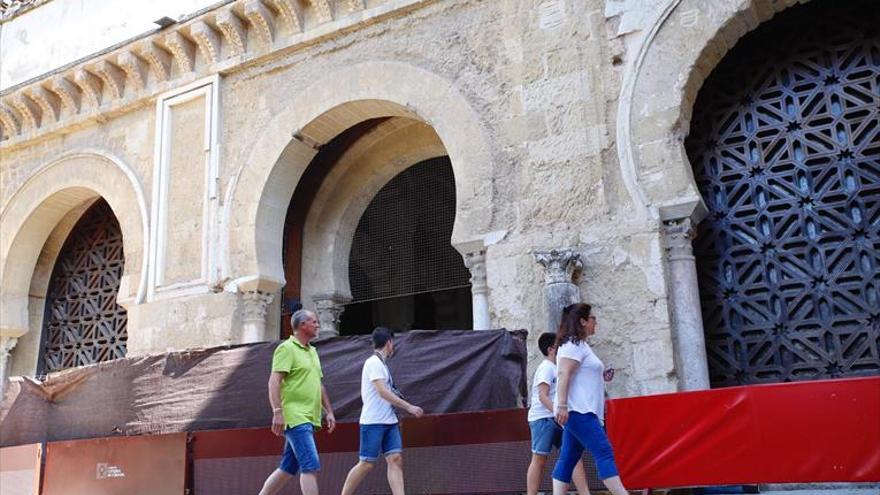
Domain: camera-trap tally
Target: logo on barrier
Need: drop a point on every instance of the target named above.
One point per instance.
(107, 471)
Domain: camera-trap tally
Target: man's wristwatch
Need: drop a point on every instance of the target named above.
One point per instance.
(277, 409)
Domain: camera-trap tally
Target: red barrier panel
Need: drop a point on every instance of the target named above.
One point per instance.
(117, 466)
(475, 452)
(20, 469)
(807, 432)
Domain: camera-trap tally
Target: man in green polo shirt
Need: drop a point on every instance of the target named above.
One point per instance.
(296, 395)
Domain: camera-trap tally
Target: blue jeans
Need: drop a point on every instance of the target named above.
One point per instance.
(584, 430)
(300, 453)
(546, 434)
(376, 439)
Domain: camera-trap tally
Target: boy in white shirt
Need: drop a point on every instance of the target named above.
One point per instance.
(379, 429)
(546, 433)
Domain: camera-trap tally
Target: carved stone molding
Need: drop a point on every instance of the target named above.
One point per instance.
(559, 265)
(679, 235)
(256, 304)
(329, 308)
(476, 264)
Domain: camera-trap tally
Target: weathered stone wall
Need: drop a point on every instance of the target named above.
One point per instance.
(525, 95)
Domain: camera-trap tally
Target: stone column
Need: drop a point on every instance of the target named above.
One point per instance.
(559, 289)
(329, 308)
(256, 303)
(6, 346)
(475, 261)
(684, 297)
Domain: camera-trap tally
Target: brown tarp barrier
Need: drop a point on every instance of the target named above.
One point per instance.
(442, 371)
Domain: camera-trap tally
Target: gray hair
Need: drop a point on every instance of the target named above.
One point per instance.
(297, 318)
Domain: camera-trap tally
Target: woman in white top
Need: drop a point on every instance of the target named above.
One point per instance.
(580, 402)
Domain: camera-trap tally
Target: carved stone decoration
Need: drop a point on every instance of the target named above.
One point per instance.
(329, 308)
(207, 39)
(135, 69)
(49, 103)
(27, 109)
(90, 85)
(291, 13)
(158, 58)
(679, 235)
(184, 51)
(233, 31)
(260, 17)
(560, 266)
(112, 77)
(68, 93)
(10, 123)
(256, 305)
(475, 261)
(324, 10)
(6, 346)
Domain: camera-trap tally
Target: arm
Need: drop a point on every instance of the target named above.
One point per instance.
(544, 396)
(328, 409)
(394, 400)
(275, 379)
(564, 369)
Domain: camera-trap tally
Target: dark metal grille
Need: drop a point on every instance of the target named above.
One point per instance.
(84, 324)
(401, 245)
(785, 144)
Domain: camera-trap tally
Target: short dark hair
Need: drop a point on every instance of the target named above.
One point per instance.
(546, 341)
(381, 336)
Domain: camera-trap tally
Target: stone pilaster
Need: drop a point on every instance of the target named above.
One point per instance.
(475, 261)
(256, 304)
(560, 266)
(6, 346)
(684, 297)
(329, 308)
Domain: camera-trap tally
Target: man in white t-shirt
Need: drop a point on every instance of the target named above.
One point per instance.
(546, 434)
(379, 429)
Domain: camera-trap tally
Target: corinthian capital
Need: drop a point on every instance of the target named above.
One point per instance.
(559, 265)
(256, 303)
(678, 235)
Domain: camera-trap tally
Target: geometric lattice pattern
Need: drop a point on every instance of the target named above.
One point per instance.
(401, 244)
(785, 144)
(84, 324)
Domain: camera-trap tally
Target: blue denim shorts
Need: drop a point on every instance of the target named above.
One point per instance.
(300, 453)
(376, 439)
(546, 434)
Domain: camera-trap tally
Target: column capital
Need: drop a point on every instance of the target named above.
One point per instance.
(559, 265)
(475, 261)
(329, 308)
(6, 346)
(256, 304)
(678, 236)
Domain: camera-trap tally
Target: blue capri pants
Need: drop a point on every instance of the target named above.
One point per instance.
(584, 430)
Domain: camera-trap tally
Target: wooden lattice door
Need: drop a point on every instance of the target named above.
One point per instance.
(785, 144)
(83, 323)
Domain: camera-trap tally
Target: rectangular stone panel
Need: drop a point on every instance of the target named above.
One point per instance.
(187, 159)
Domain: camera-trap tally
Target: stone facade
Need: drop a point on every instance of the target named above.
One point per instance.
(563, 121)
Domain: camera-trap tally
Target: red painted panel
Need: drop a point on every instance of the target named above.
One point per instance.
(20, 469)
(117, 466)
(819, 431)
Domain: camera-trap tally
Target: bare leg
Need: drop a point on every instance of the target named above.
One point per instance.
(308, 483)
(560, 487)
(579, 478)
(355, 476)
(395, 473)
(615, 486)
(275, 482)
(533, 475)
